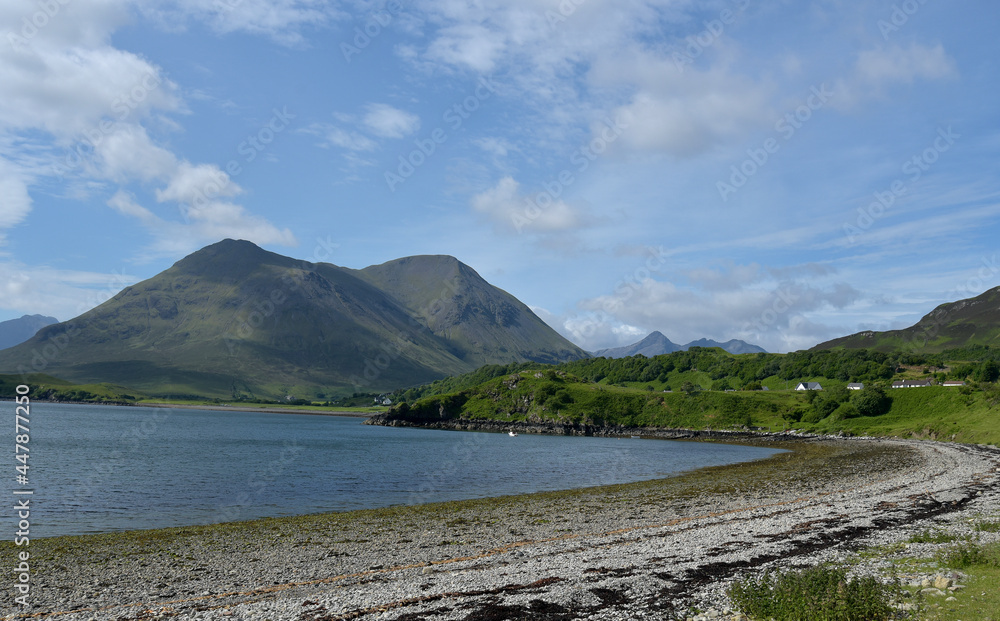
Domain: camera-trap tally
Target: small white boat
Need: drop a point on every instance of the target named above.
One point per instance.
(512, 433)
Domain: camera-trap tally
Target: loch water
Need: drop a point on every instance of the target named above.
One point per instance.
(97, 469)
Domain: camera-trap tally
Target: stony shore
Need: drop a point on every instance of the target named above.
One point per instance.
(649, 550)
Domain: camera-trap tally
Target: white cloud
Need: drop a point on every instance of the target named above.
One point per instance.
(472, 46)
(333, 136)
(66, 80)
(15, 203)
(749, 302)
(129, 153)
(190, 184)
(513, 212)
(280, 20)
(877, 70)
(388, 122)
(72, 97)
(63, 294)
(498, 147)
(206, 221)
(683, 113)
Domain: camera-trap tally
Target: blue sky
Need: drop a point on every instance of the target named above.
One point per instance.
(776, 171)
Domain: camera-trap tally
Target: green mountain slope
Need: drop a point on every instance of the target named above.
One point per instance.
(973, 321)
(235, 320)
(483, 324)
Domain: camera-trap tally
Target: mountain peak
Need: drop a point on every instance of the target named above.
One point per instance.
(655, 344)
(234, 320)
(230, 259)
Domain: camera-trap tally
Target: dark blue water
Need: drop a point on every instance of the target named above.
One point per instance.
(98, 469)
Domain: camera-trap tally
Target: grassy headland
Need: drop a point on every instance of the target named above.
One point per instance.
(707, 388)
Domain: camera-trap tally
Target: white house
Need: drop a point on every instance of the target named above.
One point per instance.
(953, 383)
(855, 386)
(808, 386)
(911, 383)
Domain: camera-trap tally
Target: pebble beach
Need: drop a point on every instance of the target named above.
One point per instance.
(664, 549)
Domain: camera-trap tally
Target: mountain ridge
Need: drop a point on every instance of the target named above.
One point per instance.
(970, 321)
(233, 320)
(655, 344)
(16, 331)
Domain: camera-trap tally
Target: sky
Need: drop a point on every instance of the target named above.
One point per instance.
(782, 172)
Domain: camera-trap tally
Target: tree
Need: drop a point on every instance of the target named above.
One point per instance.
(871, 401)
(987, 372)
(689, 389)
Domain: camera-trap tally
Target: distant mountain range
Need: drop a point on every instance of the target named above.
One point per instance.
(972, 321)
(16, 331)
(656, 344)
(235, 320)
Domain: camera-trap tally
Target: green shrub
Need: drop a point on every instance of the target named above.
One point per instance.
(813, 416)
(987, 527)
(817, 593)
(871, 401)
(970, 554)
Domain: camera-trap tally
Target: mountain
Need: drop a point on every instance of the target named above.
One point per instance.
(235, 320)
(733, 346)
(972, 321)
(653, 345)
(16, 331)
(656, 344)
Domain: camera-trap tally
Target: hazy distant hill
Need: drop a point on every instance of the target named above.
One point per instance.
(973, 321)
(656, 344)
(16, 331)
(733, 346)
(233, 319)
(653, 345)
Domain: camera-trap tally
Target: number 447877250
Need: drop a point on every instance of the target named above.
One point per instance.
(22, 434)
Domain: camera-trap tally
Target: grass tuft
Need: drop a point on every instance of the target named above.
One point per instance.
(970, 554)
(817, 593)
(933, 535)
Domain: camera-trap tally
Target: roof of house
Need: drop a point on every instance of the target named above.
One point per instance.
(810, 385)
(910, 383)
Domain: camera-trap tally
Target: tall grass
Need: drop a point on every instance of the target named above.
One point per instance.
(818, 593)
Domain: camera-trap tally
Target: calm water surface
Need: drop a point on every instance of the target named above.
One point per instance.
(98, 469)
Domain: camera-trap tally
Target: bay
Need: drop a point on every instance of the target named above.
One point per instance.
(98, 469)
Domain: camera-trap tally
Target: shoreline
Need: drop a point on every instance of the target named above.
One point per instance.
(633, 549)
(221, 408)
